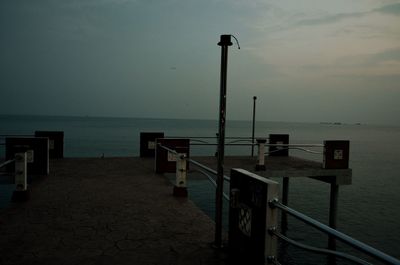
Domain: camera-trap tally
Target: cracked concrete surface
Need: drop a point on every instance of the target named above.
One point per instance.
(105, 211)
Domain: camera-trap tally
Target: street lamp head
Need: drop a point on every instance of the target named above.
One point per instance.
(225, 40)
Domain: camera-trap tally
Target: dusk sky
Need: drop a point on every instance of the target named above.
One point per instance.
(305, 60)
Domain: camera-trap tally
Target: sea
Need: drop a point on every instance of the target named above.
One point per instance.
(368, 209)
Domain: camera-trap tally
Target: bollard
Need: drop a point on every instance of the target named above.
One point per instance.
(261, 154)
(21, 192)
(180, 188)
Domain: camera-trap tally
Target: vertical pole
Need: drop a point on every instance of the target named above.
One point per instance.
(333, 203)
(180, 188)
(254, 120)
(285, 201)
(21, 192)
(260, 166)
(224, 43)
(271, 242)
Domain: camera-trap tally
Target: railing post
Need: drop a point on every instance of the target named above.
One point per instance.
(271, 242)
(261, 154)
(180, 188)
(21, 192)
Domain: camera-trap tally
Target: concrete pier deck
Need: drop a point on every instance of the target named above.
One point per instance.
(105, 211)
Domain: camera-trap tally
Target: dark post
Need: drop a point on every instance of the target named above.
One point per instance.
(224, 43)
(285, 201)
(333, 204)
(254, 120)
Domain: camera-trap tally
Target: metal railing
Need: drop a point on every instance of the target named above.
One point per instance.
(300, 147)
(249, 141)
(202, 140)
(7, 162)
(208, 172)
(204, 170)
(379, 255)
(12, 135)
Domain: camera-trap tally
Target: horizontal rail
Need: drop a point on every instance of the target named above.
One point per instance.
(210, 170)
(199, 141)
(319, 250)
(307, 150)
(7, 162)
(13, 135)
(226, 144)
(211, 137)
(240, 140)
(296, 145)
(289, 146)
(169, 149)
(296, 148)
(339, 235)
(213, 182)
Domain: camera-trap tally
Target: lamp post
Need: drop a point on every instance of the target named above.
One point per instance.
(254, 120)
(225, 42)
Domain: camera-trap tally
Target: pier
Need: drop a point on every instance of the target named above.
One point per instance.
(105, 211)
(125, 210)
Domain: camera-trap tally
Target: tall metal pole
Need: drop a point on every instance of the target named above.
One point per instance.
(254, 121)
(224, 43)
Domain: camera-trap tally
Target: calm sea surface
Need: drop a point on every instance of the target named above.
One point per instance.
(369, 209)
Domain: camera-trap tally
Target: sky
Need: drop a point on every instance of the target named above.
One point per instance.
(305, 60)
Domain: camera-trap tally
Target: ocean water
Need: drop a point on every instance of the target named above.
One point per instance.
(369, 209)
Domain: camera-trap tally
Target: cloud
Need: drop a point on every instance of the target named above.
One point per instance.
(385, 56)
(392, 9)
(330, 19)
